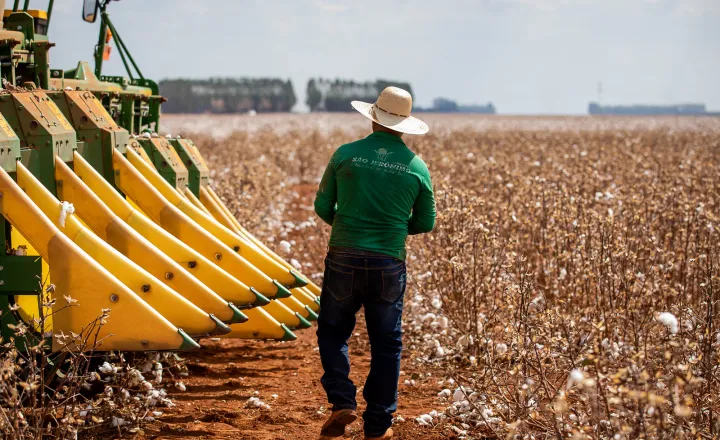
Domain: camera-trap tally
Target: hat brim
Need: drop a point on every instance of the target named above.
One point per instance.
(403, 124)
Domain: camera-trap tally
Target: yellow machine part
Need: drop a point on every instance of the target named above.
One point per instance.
(253, 255)
(306, 297)
(260, 325)
(210, 199)
(195, 201)
(215, 278)
(294, 304)
(285, 315)
(29, 306)
(131, 244)
(178, 310)
(132, 325)
(143, 193)
(217, 208)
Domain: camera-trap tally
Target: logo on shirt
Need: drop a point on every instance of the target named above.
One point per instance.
(382, 154)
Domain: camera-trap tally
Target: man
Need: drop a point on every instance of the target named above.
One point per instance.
(375, 192)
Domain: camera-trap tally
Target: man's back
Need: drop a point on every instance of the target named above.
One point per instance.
(383, 193)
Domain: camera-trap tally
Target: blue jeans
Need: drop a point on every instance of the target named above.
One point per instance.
(355, 278)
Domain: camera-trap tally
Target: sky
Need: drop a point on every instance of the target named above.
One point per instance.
(524, 56)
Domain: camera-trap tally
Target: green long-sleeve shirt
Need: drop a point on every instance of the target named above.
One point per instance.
(374, 193)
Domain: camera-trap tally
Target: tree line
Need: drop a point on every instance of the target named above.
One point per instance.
(227, 95)
(335, 95)
(242, 95)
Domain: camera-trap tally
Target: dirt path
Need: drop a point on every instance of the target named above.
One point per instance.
(226, 373)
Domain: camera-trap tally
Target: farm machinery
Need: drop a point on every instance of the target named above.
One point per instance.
(104, 217)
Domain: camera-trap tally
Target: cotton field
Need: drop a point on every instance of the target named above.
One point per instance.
(571, 285)
(570, 289)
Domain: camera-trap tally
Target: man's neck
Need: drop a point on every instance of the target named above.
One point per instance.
(379, 128)
(388, 131)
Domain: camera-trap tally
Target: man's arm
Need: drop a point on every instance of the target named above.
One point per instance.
(422, 219)
(326, 196)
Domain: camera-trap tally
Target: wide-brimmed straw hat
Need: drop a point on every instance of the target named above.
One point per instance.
(392, 110)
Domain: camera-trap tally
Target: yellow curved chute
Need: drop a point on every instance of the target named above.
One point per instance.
(93, 290)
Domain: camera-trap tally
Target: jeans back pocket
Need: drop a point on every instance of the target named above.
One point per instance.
(393, 283)
(338, 281)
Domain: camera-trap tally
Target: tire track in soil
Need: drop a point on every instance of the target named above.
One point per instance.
(224, 374)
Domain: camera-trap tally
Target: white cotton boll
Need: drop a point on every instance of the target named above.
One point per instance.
(296, 264)
(436, 303)
(274, 396)
(439, 352)
(66, 208)
(458, 396)
(717, 338)
(407, 382)
(444, 322)
(427, 418)
(428, 317)
(106, 368)
(669, 320)
(451, 381)
(180, 386)
(285, 246)
(433, 413)
(445, 393)
(146, 385)
(421, 421)
(576, 377)
(117, 421)
(501, 348)
(459, 431)
(563, 274)
(125, 394)
(399, 419)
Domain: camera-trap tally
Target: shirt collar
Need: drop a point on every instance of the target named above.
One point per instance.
(381, 135)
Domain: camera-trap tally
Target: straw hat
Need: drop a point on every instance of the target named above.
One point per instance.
(392, 110)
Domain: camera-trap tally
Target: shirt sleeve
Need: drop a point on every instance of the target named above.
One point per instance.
(326, 197)
(422, 219)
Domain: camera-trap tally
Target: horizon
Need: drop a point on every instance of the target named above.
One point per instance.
(525, 56)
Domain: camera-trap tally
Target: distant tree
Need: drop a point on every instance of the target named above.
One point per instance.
(444, 105)
(314, 96)
(290, 96)
(335, 95)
